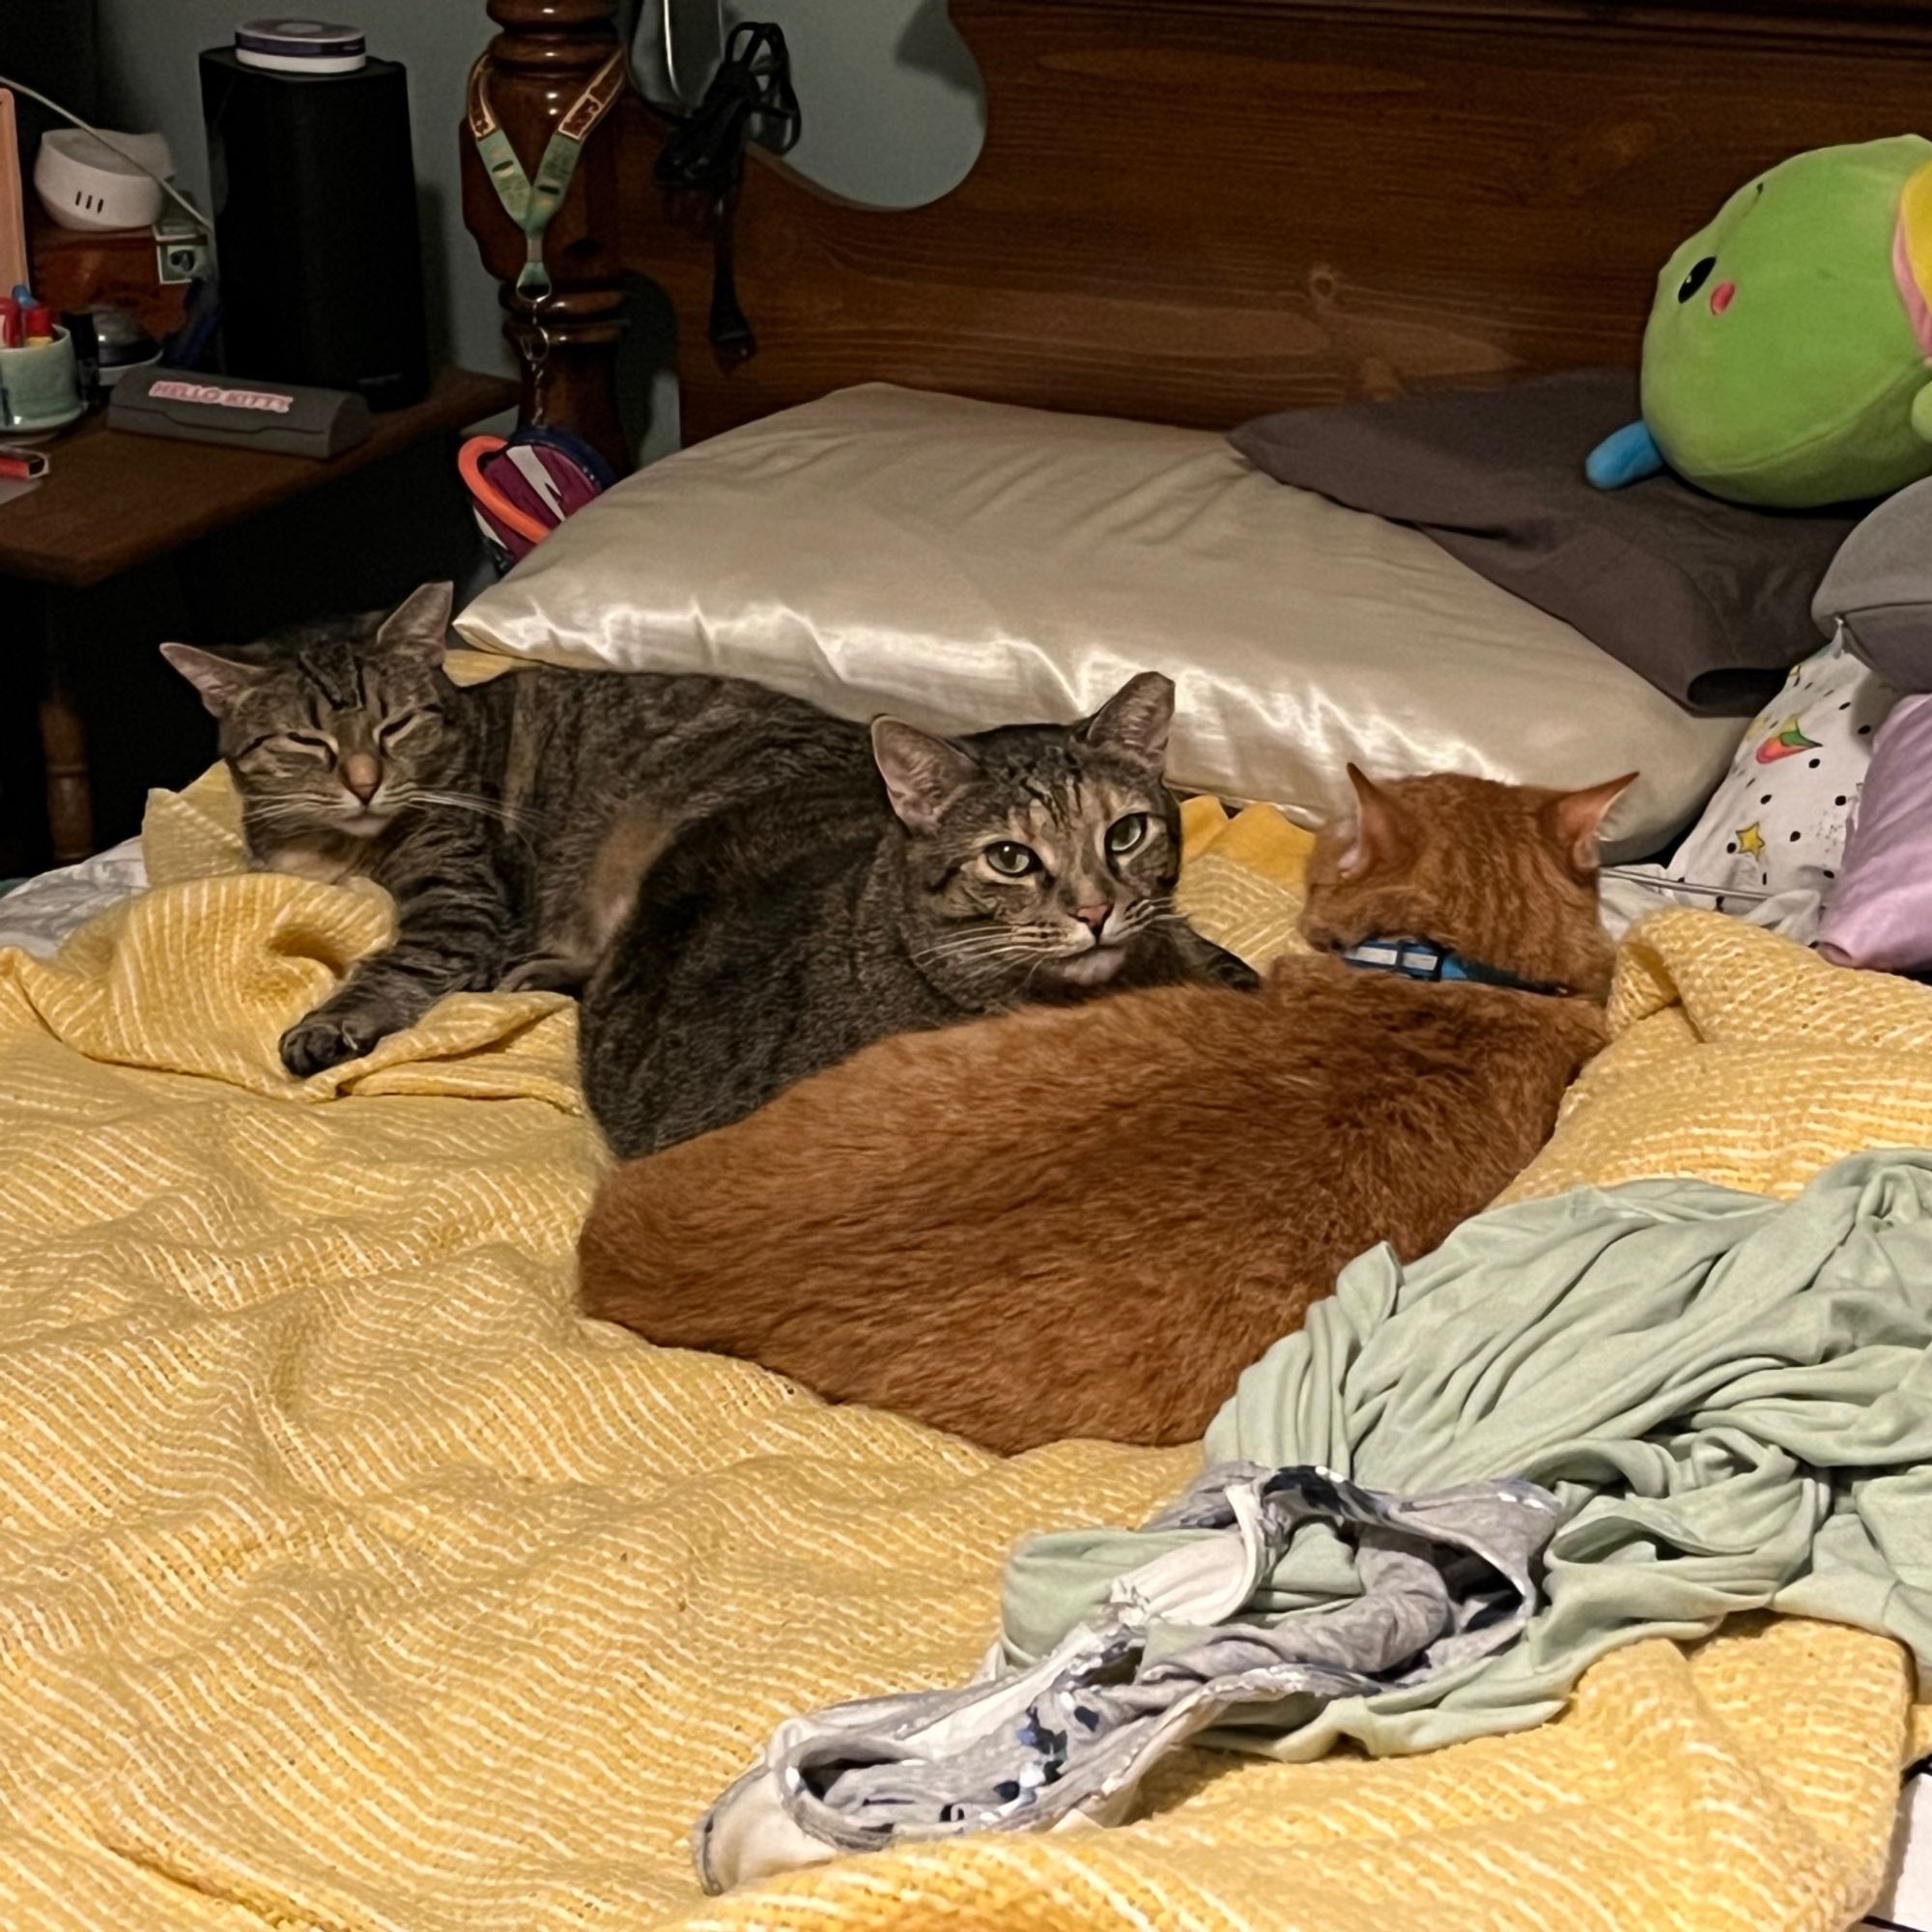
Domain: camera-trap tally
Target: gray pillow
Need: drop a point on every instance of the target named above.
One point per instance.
(1707, 600)
(1880, 588)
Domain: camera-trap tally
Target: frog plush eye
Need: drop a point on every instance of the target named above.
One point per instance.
(1699, 275)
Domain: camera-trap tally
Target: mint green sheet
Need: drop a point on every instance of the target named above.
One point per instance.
(1732, 1398)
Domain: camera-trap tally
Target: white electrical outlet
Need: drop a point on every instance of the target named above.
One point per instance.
(181, 253)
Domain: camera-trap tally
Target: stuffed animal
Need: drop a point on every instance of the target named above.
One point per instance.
(1788, 357)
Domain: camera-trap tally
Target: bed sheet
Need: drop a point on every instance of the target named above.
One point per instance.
(39, 913)
(349, 1581)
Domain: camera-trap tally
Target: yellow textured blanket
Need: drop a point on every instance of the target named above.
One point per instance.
(348, 1581)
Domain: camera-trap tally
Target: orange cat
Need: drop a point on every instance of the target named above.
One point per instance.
(1086, 1221)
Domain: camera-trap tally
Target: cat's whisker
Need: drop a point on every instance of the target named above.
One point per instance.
(294, 811)
(476, 802)
(966, 943)
(995, 962)
(964, 947)
(983, 966)
(519, 825)
(968, 946)
(993, 966)
(1001, 931)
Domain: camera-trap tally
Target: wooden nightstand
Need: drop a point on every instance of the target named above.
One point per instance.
(113, 501)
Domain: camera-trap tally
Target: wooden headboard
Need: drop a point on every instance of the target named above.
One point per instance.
(1192, 211)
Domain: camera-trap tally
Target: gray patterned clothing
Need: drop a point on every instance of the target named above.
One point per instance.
(1445, 1579)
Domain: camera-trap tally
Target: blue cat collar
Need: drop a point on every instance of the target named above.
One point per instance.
(1424, 959)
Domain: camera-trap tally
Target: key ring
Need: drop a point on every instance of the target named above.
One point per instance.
(533, 344)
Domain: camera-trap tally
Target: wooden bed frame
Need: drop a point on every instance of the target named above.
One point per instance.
(1192, 211)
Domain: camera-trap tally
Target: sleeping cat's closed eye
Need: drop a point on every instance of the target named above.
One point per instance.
(394, 730)
(274, 748)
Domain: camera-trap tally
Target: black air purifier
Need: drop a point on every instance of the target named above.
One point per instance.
(315, 218)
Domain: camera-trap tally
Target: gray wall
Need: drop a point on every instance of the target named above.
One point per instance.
(894, 109)
(892, 100)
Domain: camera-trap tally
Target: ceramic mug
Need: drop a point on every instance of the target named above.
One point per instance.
(39, 388)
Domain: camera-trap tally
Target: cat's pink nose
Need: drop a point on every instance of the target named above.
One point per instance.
(1093, 918)
(361, 774)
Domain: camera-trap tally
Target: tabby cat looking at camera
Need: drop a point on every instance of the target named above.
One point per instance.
(821, 887)
(786, 931)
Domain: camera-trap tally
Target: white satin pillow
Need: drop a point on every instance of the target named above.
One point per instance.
(965, 564)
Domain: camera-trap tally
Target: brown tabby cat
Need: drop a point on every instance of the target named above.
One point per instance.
(1087, 1222)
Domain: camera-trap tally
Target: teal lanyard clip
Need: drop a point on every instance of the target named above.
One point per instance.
(531, 202)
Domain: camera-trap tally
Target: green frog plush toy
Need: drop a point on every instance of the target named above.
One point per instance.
(1788, 357)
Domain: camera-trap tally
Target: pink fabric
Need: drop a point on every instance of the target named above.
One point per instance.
(1910, 291)
(1880, 913)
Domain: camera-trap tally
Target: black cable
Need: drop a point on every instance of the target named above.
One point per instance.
(750, 97)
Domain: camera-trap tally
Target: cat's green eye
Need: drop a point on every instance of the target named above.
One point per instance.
(1126, 834)
(1010, 859)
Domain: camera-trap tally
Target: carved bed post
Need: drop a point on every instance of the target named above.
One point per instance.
(566, 342)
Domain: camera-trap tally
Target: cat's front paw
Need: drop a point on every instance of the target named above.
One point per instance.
(545, 973)
(324, 1039)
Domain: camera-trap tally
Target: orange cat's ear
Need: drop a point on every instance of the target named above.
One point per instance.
(1576, 818)
(1377, 839)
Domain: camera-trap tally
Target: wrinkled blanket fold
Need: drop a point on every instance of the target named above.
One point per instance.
(348, 1580)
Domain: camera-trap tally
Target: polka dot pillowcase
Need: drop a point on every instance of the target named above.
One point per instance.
(1779, 821)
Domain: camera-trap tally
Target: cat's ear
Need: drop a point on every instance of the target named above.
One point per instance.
(924, 774)
(1576, 818)
(418, 626)
(1379, 828)
(220, 681)
(1136, 720)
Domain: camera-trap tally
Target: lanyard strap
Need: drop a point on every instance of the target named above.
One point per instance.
(532, 202)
